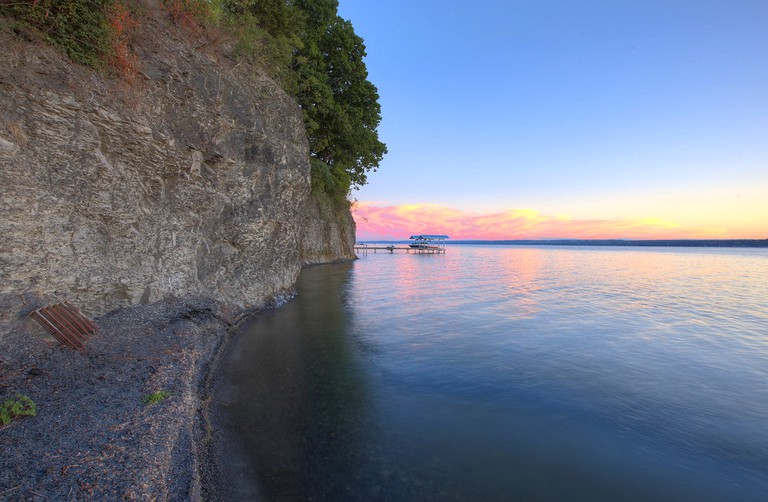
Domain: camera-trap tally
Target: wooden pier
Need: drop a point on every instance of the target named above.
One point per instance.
(422, 244)
(374, 248)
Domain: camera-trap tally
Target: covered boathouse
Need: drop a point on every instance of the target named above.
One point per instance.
(428, 243)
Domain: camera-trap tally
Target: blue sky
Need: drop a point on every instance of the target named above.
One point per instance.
(583, 109)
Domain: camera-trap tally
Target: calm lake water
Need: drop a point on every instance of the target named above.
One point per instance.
(507, 373)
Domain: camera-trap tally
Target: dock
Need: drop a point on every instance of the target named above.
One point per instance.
(366, 248)
(423, 244)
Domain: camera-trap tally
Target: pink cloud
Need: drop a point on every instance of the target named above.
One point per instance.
(377, 221)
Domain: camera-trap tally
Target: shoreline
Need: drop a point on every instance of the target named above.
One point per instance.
(94, 437)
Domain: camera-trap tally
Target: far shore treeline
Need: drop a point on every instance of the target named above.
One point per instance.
(303, 44)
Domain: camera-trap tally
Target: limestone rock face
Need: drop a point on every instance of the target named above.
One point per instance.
(192, 181)
(330, 235)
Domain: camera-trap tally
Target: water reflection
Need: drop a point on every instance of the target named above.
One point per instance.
(509, 373)
(520, 275)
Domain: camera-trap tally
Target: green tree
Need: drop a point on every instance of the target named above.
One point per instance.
(341, 106)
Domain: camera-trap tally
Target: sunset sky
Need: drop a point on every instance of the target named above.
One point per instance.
(567, 119)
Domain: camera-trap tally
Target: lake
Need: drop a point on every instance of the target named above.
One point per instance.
(506, 373)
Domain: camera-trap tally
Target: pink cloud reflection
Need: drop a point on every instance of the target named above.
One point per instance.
(382, 222)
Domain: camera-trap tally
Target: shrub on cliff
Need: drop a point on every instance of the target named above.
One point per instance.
(80, 28)
(91, 32)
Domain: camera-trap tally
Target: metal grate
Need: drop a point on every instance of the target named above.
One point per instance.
(65, 322)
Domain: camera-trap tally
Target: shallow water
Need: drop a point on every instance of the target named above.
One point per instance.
(508, 373)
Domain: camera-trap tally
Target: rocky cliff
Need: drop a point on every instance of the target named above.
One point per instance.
(193, 181)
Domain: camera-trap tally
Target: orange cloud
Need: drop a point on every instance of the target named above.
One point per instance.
(375, 221)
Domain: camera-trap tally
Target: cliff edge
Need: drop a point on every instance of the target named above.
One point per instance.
(192, 181)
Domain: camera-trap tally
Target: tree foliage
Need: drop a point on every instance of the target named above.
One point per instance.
(341, 106)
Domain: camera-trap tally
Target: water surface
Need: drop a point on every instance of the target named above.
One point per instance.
(508, 373)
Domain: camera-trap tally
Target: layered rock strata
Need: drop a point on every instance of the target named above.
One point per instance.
(192, 181)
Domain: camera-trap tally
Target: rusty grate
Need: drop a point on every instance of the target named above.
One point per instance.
(66, 323)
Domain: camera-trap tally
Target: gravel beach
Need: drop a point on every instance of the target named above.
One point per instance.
(94, 437)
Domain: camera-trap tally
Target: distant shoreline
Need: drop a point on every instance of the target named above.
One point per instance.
(713, 243)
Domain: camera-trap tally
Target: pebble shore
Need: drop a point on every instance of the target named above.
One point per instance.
(94, 437)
